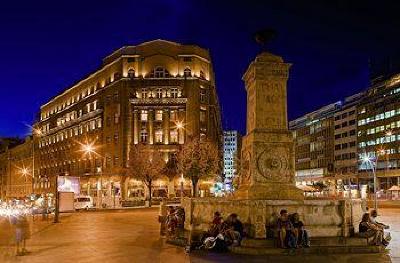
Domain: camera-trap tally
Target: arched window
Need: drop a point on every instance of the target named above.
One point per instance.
(202, 76)
(159, 72)
(131, 73)
(187, 72)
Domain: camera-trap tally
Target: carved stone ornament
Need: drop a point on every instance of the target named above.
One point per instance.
(245, 167)
(273, 165)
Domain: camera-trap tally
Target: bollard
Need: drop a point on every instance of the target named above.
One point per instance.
(162, 216)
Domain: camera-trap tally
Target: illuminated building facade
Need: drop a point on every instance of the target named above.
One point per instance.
(314, 144)
(157, 92)
(346, 156)
(379, 132)
(232, 146)
(16, 169)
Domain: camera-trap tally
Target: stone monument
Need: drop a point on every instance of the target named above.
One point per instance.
(267, 157)
(267, 166)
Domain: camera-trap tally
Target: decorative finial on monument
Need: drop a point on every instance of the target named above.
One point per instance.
(265, 36)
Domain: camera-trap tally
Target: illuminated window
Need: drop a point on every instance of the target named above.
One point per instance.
(187, 72)
(202, 116)
(98, 124)
(173, 115)
(131, 73)
(174, 136)
(143, 135)
(203, 96)
(159, 136)
(144, 115)
(159, 72)
(174, 92)
(144, 93)
(159, 115)
(159, 93)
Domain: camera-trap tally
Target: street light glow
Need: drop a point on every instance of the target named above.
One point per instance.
(179, 125)
(24, 171)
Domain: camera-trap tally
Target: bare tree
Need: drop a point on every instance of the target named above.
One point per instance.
(198, 160)
(145, 165)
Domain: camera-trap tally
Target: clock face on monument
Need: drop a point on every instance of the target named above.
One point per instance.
(273, 164)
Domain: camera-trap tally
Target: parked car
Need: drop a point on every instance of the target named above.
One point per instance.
(83, 202)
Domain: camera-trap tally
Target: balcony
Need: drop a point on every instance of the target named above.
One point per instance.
(158, 101)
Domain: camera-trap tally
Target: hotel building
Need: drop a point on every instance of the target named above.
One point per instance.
(157, 92)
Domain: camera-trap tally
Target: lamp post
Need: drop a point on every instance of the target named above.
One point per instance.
(89, 149)
(373, 164)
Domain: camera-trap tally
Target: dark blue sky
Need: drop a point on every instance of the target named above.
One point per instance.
(46, 46)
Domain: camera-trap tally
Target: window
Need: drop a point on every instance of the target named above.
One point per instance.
(144, 93)
(159, 115)
(352, 122)
(116, 137)
(159, 136)
(174, 93)
(203, 96)
(159, 93)
(173, 115)
(174, 136)
(108, 139)
(143, 135)
(352, 132)
(144, 115)
(159, 72)
(108, 121)
(116, 118)
(187, 73)
(202, 116)
(98, 123)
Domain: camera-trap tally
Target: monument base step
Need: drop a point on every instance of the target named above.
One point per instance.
(304, 251)
(316, 241)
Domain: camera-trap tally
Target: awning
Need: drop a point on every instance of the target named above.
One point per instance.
(394, 188)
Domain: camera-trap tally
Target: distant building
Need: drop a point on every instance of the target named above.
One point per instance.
(379, 132)
(16, 169)
(232, 145)
(314, 144)
(346, 157)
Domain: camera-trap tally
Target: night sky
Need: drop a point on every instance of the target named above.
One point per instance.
(47, 46)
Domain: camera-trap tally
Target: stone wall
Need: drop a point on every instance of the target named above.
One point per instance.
(323, 218)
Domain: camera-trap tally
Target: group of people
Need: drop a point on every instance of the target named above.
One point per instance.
(223, 233)
(370, 228)
(290, 231)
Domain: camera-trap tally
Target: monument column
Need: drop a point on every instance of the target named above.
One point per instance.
(267, 170)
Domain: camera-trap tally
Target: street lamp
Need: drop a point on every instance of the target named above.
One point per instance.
(373, 164)
(89, 149)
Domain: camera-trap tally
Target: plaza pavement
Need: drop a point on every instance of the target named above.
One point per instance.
(133, 236)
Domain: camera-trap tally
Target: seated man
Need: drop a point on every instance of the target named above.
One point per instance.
(299, 231)
(233, 230)
(285, 229)
(216, 225)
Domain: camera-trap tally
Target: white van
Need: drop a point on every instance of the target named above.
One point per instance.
(83, 202)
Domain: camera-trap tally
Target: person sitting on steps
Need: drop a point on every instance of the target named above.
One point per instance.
(285, 229)
(368, 229)
(300, 233)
